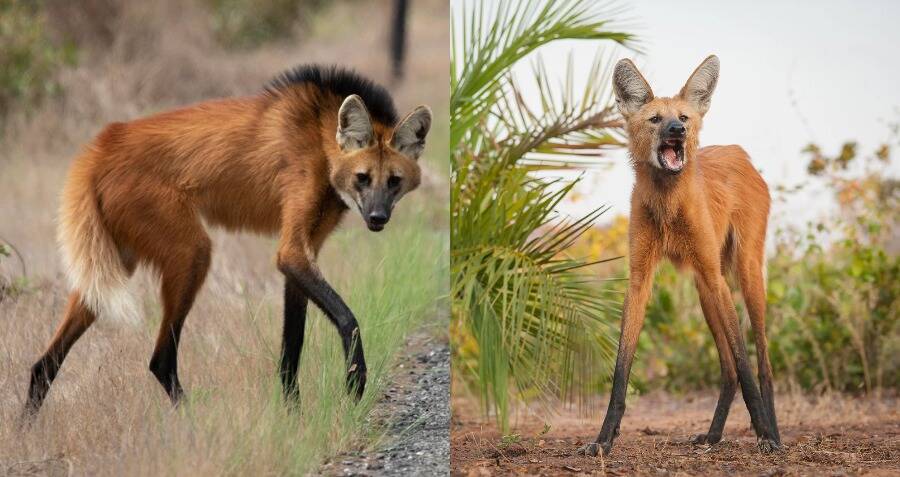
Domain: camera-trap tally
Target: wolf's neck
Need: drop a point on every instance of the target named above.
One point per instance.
(662, 192)
(662, 181)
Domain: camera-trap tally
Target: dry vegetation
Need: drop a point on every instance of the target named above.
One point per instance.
(106, 415)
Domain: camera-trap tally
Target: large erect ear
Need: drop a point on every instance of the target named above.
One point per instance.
(700, 86)
(631, 89)
(409, 135)
(354, 129)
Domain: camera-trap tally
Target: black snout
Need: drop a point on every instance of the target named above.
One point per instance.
(375, 207)
(675, 128)
(379, 218)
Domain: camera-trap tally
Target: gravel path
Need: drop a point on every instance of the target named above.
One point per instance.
(417, 409)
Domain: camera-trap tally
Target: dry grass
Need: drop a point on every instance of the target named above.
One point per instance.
(106, 415)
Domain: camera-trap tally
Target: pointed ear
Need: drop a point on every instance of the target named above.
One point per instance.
(409, 135)
(354, 129)
(631, 89)
(700, 86)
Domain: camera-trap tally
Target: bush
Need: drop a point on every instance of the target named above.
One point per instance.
(28, 57)
(834, 286)
(250, 23)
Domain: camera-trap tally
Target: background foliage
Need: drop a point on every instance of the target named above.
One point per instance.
(28, 57)
(249, 23)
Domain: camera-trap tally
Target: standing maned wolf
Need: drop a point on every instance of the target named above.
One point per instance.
(704, 209)
(291, 160)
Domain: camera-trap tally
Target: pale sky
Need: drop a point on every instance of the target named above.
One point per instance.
(837, 60)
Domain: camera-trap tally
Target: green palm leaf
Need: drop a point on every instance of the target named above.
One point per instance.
(488, 38)
(540, 319)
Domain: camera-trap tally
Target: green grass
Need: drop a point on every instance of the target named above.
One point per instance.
(394, 284)
(109, 417)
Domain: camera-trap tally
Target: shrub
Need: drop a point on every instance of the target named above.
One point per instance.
(28, 57)
(250, 23)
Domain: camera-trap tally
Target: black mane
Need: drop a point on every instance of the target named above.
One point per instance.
(342, 82)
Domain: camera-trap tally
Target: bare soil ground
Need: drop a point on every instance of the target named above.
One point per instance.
(834, 435)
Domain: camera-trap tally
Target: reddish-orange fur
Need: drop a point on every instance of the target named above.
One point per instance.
(709, 218)
(268, 163)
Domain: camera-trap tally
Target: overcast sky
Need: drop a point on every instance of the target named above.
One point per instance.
(792, 73)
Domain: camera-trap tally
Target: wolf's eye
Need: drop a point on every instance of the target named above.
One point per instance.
(393, 181)
(683, 118)
(363, 179)
(656, 119)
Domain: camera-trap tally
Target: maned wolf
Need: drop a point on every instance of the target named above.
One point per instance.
(704, 209)
(290, 160)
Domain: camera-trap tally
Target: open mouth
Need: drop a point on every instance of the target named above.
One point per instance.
(671, 155)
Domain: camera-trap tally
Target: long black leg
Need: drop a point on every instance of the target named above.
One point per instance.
(633, 313)
(179, 288)
(78, 318)
(295, 303)
(726, 363)
(759, 417)
(320, 292)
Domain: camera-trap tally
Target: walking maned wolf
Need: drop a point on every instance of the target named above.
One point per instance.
(291, 160)
(704, 209)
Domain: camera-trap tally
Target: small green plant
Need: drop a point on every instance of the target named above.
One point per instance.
(509, 439)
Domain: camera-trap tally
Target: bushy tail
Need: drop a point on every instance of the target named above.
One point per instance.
(91, 257)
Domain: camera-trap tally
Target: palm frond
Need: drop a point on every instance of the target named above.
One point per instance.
(534, 312)
(490, 37)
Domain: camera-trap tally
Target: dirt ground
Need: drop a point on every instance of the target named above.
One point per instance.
(832, 435)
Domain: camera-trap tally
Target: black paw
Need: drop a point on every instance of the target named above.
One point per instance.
(292, 400)
(26, 418)
(594, 449)
(768, 446)
(356, 380)
(706, 439)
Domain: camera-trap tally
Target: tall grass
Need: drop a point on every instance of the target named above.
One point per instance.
(234, 421)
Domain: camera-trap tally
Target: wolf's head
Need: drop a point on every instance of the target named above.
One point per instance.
(379, 164)
(664, 132)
